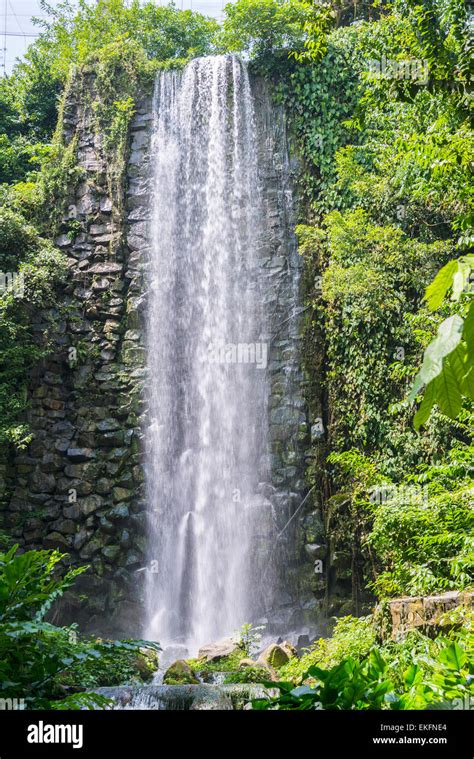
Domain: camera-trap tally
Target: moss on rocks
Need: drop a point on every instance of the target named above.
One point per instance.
(180, 673)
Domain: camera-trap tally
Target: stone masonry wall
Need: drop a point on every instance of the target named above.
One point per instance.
(431, 615)
(78, 485)
(297, 526)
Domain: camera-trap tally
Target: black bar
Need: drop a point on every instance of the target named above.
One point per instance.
(153, 733)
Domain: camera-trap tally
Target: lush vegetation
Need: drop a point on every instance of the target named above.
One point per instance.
(44, 665)
(31, 268)
(378, 106)
(125, 43)
(71, 35)
(48, 666)
(352, 670)
(442, 675)
(386, 153)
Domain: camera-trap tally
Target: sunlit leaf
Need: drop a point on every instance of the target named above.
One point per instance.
(436, 291)
(448, 337)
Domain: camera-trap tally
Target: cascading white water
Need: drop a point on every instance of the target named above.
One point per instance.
(207, 390)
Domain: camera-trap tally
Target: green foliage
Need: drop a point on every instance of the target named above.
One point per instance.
(228, 663)
(442, 33)
(317, 26)
(423, 531)
(37, 268)
(374, 278)
(367, 683)
(249, 637)
(59, 175)
(28, 585)
(15, 158)
(447, 372)
(39, 661)
(129, 663)
(352, 636)
(247, 675)
(75, 31)
(28, 114)
(386, 176)
(262, 27)
(18, 239)
(319, 99)
(409, 147)
(72, 33)
(414, 534)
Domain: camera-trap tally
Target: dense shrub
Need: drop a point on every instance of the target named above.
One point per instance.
(445, 677)
(39, 662)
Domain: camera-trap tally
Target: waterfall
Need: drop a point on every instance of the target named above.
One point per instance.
(207, 420)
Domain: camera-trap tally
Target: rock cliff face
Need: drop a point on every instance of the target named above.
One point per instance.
(78, 486)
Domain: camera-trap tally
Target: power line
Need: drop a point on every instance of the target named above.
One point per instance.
(16, 18)
(17, 34)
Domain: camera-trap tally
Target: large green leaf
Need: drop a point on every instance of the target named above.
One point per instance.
(377, 661)
(461, 279)
(448, 337)
(468, 384)
(448, 391)
(412, 675)
(453, 656)
(457, 363)
(429, 399)
(436, 291)
(468, 331)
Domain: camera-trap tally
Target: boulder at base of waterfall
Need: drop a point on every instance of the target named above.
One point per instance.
(219, 650)
(275, 656)
(180, 673)
(289, 649)
(146, 663)
(247, 663)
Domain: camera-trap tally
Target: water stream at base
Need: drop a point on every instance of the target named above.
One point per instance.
(182, 697)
